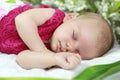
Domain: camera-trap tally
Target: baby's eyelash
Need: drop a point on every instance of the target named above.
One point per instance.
(74, 35)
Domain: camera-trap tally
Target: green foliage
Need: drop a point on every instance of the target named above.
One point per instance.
(33, 2)
(98, 72)
(109, 9)
(11, 1)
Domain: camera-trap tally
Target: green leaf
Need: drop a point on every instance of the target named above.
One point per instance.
(61, 1)
(98, 72)
(24, 0)
(117, 5)
(108, 72)
(29, 78)
(11, 1)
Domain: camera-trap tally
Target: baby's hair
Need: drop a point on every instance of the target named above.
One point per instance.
(105, 39)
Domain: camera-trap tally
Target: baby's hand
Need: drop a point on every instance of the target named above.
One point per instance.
(67, 60)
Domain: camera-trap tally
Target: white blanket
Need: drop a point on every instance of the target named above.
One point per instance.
(9, 68)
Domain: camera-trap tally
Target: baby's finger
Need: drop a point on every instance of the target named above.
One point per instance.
(74, 60)
(78, 56)
(77, 60)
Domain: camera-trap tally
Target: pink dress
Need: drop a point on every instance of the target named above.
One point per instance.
(11, 43)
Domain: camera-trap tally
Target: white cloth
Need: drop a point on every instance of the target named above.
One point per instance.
(9, 68)
(6, 6)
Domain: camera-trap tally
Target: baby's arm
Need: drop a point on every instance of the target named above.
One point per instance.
(31, 59)
(27, 25)
(28, 59)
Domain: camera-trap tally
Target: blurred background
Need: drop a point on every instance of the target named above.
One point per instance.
(109, 9)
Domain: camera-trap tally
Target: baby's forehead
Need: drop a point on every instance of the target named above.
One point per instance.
(93, 28)
(93, 25)
(93, 35)
(90, 27)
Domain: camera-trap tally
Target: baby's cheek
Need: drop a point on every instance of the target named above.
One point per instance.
(53, 45)
(87, 56)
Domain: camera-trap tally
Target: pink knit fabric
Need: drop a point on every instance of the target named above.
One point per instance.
(11, 43)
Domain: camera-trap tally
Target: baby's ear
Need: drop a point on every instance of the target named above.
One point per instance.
(70, 16)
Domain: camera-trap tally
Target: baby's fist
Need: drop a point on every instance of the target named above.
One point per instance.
(67, 60)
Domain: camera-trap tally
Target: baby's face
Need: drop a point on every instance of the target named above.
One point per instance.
(76, 36)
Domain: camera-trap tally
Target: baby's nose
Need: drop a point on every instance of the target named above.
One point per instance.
(70, 48)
